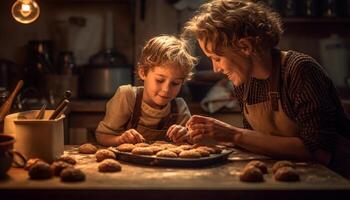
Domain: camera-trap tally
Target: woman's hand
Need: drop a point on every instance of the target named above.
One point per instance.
(131, 136)
(177, 133)
(202, 128)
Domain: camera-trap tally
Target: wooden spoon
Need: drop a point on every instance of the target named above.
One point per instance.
(8, 103)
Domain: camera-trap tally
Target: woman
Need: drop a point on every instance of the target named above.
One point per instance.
(290, 107)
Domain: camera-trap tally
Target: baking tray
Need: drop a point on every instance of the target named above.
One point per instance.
(174, 162)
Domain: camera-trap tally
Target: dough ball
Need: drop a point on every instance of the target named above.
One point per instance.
(40, 170)
(286, 174)
(104, 154)
(251, 174)
(67, 159)
(31, 162)
(142, 151)
(71, 174)
(166, 154)
(258, 164)
(109, 165)
(126, 147)
(87, 149)
(189, 154)
(58, 166)
(282, 163)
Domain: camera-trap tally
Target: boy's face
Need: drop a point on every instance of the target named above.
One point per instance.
(161, 84)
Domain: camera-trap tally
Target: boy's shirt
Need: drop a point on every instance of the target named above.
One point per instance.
(120, 108)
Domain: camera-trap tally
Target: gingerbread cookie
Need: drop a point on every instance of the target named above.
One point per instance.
(40, 170)
(126, 147)
(67, 159)
(58, 166)
(71, 174)
(167, 154)
(282, 163)
(104, 154)
(251, 174)
(258, 164)
(142, 151)
(189, 154)
(286, 174)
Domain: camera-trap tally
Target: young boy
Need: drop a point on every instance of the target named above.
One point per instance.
(149, 112)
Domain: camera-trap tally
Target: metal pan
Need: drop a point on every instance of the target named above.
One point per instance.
(174, 162)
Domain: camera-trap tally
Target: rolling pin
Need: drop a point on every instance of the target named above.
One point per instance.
(8, 103)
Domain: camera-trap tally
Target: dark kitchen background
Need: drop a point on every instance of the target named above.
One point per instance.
(91, 47)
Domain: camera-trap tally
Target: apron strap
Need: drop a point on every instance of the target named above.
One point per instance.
(170, 119)
(135, 117)
(275, 79)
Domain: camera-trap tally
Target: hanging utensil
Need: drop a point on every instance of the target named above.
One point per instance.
(8, 103)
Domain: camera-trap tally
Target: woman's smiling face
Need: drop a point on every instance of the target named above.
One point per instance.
(234, 64)
(161, 84)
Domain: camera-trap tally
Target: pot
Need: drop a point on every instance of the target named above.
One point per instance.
(101, 81)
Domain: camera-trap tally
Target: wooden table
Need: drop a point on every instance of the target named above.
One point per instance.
(139, 182)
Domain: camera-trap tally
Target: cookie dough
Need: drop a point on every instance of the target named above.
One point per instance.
(109, 165)
(87, 149)
(251, 174)
(72, 174)
(126, 147)
(58, 166)
(40, 170)
(142, 151)
(104, 154)
(286, 174)
(67, 159)
(282, 163)
(258, 164)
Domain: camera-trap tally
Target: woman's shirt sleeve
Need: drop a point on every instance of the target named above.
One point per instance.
(313, 97)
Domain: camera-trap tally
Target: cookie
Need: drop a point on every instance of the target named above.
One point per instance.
(87, 149)
(71, 174)
(159, 142)
(31, 162)
(142, 144)
(203, 152)
(104, 154)
(167, 154)
(251, 174)
(282, 163)
(67, 159)
(58, 166)
(185, 146)
(168, 146)
(39, 171)
(156, 149)
(142, 151)
(126, 147)
(176, 150)
(189, 154)
(258, 164)
(109, 165)
(286, 174)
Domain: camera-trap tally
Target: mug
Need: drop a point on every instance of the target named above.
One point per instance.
(7, 154)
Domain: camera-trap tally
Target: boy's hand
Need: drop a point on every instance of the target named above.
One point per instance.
(177, 133)
(131, 136)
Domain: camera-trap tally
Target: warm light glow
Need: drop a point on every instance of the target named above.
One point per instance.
(25, 11)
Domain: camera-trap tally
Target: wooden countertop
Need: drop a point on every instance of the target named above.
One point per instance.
(213, 182)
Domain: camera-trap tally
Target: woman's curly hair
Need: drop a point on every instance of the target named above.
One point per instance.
(224, 22)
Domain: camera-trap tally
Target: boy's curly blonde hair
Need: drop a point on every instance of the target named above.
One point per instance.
(224, 22)
(168, 51)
